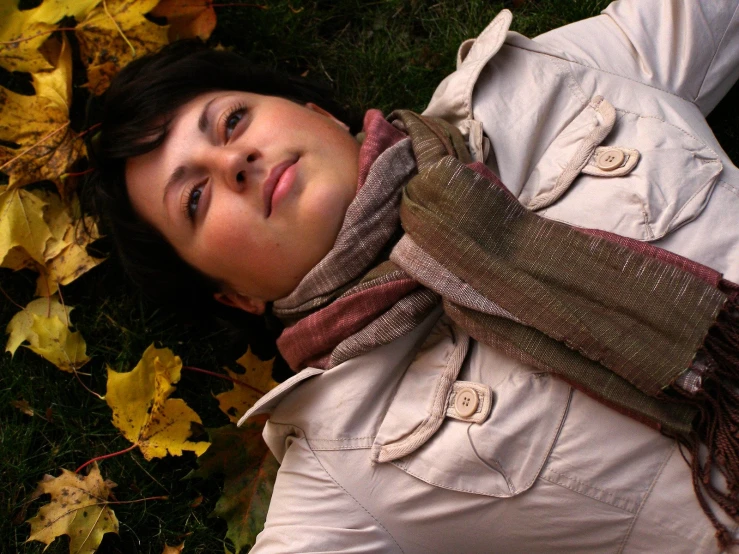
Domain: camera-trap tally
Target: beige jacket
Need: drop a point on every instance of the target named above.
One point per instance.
(438, 444)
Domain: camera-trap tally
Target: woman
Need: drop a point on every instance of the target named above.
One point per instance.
(401, 433)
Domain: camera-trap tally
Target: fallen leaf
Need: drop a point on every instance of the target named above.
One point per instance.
(44, 324)
(39, 125)
(187, 18)
(78, 508)
(257, 380)
(23, 406)
(113, 34)
(249, 469)
(23, 230)
(65, 256)
(143, 411)
(23, 33)
(173, 549)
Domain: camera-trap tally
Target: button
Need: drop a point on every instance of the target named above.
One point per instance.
(466, 402)
(608, 160)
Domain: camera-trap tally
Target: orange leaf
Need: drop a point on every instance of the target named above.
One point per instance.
(187, 18)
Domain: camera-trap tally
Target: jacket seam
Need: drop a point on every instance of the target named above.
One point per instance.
(543, 477)
(627, 536)
(591, 486)
(713, 58)
(728, 186)
(577, 62)
(353, 498)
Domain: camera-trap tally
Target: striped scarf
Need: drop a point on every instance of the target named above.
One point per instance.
(647, 332)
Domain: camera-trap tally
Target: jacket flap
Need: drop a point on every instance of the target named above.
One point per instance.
(269, 401)
(568, 154)
(452, 99)
(500, 456)
(420, 402)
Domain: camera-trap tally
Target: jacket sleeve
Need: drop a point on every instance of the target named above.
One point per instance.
(686, 47)
(310, 513)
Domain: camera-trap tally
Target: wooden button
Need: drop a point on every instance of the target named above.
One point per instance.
(608, 160)
(466, 402)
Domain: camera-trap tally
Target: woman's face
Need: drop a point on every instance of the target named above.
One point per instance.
(251, 190)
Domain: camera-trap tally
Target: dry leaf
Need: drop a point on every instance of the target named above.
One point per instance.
(44, 324)
(23, 406)
(78, 508)
(143, 411)
(25, 32)
(39, 124)
(173, 549)
(65, 256)
(187, 18)
(250, 469)
(113, 34)
(257, 380)
(23, 230)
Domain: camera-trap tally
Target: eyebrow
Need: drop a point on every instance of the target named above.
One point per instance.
(180, 171)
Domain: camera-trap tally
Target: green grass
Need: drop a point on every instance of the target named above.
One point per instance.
(383, 54)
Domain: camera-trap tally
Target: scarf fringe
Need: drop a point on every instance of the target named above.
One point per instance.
(717, 424)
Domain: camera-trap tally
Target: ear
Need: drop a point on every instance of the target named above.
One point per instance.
(318, 109)
(236, 300)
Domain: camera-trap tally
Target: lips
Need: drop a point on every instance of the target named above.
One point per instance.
(274, 180)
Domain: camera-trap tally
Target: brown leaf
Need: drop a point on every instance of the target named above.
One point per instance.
(39, 124)
(251, 386)
(23, 406)
(78, 508)
(65, 256)
(113, 34)
(23, 34)
(173, 549)
(187, 18)
(242, 457)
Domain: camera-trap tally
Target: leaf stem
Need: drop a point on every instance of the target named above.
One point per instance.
(118, 27)
(5, 294)
(17, 41)
(241, 4)
(139, 500)
(90, 128)
(51, 134)
(88, 389)
(105, 456)
(76, 174)
(222, 376)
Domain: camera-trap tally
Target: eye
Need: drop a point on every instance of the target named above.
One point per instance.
(191, 199)
(231, 119)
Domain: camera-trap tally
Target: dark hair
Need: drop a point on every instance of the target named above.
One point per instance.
(137, 111)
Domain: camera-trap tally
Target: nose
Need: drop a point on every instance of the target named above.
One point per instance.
(236, 168)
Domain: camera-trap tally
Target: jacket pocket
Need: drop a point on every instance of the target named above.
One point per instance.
(662, 178)
(500, 450)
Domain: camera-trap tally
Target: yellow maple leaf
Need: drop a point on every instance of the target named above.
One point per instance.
(249, 387)
(39, 125)
(113, 34)
(78, 508)
(187, 18)
(23, 33)
(23, 230)
(44, 324)
(143, 411)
